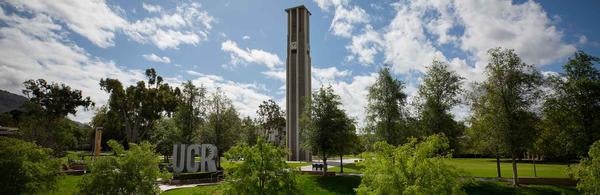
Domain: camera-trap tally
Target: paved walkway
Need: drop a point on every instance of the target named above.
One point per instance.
(164, 187)
(330, 163)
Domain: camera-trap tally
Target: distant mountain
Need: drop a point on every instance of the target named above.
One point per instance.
(10, 101)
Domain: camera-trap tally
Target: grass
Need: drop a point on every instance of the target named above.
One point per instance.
(486, 167)
(480, 167)
(310, 184)
(492, 188)
(67, 185)
(348, 168)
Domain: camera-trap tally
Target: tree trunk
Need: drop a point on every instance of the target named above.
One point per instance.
(498, 164)
(534, 169)
(341, 163)
(324, 165)
(515, 175)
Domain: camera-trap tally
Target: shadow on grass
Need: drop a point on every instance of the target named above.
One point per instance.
(492, 188)
(338, 184)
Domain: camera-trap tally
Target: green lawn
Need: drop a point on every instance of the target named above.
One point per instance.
(67, 185)
(480, 167)
(310, 184)
(492, 188)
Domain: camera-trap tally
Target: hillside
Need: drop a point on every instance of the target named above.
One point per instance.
(10, 101)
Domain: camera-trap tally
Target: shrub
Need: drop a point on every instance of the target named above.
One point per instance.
(588, 171)
(412, 168)
(26, 167)
(263, 171)
(133, 171)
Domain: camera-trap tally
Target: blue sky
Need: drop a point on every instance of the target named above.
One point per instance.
(239, 46)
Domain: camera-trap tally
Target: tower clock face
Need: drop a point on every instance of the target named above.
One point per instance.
(293, 45)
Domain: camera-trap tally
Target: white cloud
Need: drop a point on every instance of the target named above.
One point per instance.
(34, 47)
(345, 18)
(276, 74)
(583, 39)
(155, 58)
(94, 20)
(246, 37)
(258, 56)
(365, 46)
(173, 27)
(151, 8)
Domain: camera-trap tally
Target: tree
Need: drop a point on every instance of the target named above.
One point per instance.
(26, 168)
(249, 131)
(571, 112)
(141, 105)
(263, 170)
(588, 170)
(272, 121)
(385, 110)
(222, 125)
(133, 171)
(48, 105)
(190, 112)
(438, 94)
(412, 168)
(324, 125)
(112, 125)
(505, 103)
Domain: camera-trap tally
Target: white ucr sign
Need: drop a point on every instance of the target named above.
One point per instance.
(184, 158)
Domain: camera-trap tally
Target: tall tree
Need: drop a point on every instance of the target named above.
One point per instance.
(48, 105)
(249, 131)
(190, 112)
(438, 94)
(272, 121)
(512, 86)
(325, 125)
(385, 110)
(140, 105)
(222, 125)
(571, 112)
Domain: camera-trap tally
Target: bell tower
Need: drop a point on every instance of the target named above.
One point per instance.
(298, 86)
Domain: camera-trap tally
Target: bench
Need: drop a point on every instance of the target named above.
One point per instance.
(317, 166)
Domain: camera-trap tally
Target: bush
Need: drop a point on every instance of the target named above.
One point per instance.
(26, 167)
(263, 171)
(588, 171)
(133, 171)
(412, 168)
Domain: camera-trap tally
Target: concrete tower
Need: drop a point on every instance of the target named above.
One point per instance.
(297, 78)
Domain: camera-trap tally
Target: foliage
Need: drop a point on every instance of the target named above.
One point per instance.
(571, 112)
(263, 171)
(386, 108)
(139, 106)
(111, 123)
(326, 129)
(222, 123)
(54, 100)
(165, 134)
(26, 167)
(133, 171)
(588, 171)
(45, 120)
(412, 168)
(502, 109)
(272, 121)
(249, 131)
(190, 112)
(438, 94)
